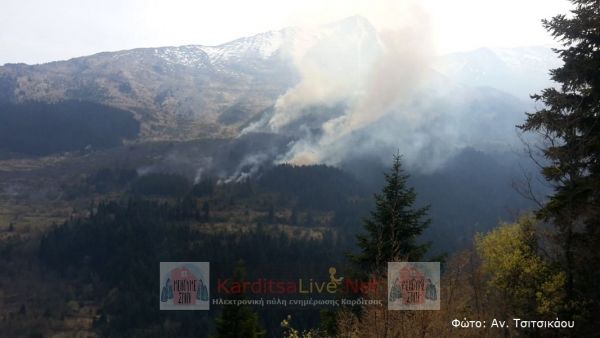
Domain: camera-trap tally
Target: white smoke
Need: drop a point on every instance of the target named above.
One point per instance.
(248, 167)
(367, 91)
(332, 61)
(371, 73)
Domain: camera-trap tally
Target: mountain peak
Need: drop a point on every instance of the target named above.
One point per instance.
(353, 19)
(352, 23)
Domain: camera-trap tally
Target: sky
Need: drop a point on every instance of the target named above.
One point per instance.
(37, 31)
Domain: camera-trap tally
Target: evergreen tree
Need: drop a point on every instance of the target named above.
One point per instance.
(569, 122)
(394, 226)
(238, 321)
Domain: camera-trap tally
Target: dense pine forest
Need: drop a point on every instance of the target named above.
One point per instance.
(41, 129)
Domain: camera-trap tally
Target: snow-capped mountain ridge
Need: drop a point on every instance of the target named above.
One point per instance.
(285, 43)
(192, 56)
(194, 90)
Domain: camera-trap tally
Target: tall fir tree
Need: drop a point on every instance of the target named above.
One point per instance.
(569, 124)
(238, 321)
(393, 228)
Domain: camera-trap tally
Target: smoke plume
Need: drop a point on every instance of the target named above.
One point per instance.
(371, 74)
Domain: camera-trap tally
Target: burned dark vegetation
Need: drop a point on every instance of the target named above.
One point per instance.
(114, 162)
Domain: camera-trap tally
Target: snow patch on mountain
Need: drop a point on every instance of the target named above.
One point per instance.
(192, 56)
(289, 43)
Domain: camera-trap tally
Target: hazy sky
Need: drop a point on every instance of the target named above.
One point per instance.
(34, 31)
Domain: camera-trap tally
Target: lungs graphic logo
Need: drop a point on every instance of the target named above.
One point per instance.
(184, 286)
(413, 285)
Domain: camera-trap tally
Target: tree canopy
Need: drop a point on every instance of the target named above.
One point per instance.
(394, 226)
(569, 125)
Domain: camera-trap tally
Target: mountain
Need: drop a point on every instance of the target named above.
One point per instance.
(181, 92)
(519, 71)
(174, 91)
(195, 91)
